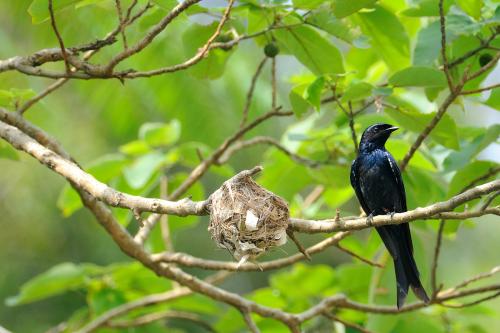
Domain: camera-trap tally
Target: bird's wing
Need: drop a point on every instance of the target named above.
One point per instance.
(404, 227)
(357, 188)
(399, 181)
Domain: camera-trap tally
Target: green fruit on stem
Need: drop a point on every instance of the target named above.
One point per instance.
(271, 50)
(484, 59)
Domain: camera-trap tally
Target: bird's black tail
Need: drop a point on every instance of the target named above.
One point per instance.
(407, 275)
(397, 240)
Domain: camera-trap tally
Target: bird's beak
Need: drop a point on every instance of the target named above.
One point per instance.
(391, 129)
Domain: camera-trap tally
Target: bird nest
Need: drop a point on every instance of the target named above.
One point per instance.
(246, 219)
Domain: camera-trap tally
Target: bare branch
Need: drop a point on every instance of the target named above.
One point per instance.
(152, 33)
(98, 190)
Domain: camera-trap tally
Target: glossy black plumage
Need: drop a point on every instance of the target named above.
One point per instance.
(376, 179)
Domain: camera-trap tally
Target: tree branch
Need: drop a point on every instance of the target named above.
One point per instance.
(190, 261)
(443, 47)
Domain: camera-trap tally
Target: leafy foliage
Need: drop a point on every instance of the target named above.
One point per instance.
(375, 61)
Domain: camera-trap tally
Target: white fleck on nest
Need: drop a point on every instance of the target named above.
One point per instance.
(247, 219)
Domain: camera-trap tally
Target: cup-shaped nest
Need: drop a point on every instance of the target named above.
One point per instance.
(245, 218)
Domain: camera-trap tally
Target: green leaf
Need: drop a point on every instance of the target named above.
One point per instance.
(427, 8)
(389, 37)
(469, 150)
(356, 91)
(467, 174)
(343, 8)
(471, 7)
(445, 132)
(160, 134)
(299, 104)
(313, 92)
(137, 147)
(314, 51)
(55, 281)
(399, 148)
(494, 99)
(39, 9)
(104, 299)
(68, 201)
(8, 152)
(142, 169)
(13, 97)
(166, 5)
(307, 4)
(428, 45)
(324, 20)
(107, 167)
(213, 65)
(417, 76)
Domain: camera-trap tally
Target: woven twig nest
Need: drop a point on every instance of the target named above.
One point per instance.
(245, 218)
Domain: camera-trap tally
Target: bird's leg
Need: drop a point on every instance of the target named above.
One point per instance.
(392, 215)
(369, 219)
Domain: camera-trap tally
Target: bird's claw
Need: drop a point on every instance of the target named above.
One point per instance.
(369, 220)
(392, 215)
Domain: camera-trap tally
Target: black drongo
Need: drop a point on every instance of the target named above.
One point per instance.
(376, 179)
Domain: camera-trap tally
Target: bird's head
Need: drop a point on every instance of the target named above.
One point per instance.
(375, 136)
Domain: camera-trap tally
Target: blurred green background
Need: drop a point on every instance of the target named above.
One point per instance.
(94, 118)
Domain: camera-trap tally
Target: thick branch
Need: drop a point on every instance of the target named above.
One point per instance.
(98, 190)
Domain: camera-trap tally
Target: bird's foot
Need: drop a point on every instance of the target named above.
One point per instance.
(391, 214)
(369, 220)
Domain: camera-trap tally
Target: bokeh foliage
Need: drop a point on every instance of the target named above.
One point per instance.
(385, 53)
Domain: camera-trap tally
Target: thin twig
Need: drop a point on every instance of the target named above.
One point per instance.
(122, 22)
(478, 301)
(443, 46)
(297, 243)
(484, 44)
(274, 88)
(353, 130)
(249, 321)
(357, 256)
(167, 314)
(479, 90)
(249, 98)
(237, 146)
(437, 250)
(478, 277)
(59, 38)
(357, 327)
(190, 261)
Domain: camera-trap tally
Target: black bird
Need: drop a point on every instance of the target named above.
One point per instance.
(376, 179)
